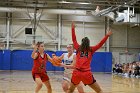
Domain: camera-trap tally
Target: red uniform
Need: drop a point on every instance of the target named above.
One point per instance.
(83, 59)
(39, 68)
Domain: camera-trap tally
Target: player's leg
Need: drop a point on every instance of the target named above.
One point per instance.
(66, 79)
(71, 88)
(48, 85)
(80, 87)
(75, 80)
(65, 85)
(45, 80)
(95, 86)
(38, 84)
(88, 79)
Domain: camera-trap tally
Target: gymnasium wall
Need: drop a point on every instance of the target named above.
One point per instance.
(21, 60)
(94, 27)
(124, 36)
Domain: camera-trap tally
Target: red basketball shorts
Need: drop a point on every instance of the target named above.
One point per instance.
(43, 76)
(85, 76)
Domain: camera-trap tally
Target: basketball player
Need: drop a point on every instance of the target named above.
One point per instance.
(82, 71)
(68, 60)
(39, 67)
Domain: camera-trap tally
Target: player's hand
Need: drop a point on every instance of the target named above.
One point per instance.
(35, 46)
(62, 65)
(109, 32)
(59, 57)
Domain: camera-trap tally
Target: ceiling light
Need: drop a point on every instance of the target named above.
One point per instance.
(84, 3)
(65, 2)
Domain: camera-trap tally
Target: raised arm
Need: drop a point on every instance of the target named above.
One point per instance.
(34, 53)
(75, 44)
(94, 48)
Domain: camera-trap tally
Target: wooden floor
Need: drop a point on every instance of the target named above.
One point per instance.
(22, 82)
(125, 85)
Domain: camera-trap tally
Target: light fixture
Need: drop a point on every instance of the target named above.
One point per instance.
(66, 2)
(84, 3)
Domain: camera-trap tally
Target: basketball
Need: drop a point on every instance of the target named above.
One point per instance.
(56, 60)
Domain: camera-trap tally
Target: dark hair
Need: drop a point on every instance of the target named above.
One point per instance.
(39, 43)
(85, 45)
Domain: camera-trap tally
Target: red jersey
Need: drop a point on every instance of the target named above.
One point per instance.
(83, 58)
(39, 65)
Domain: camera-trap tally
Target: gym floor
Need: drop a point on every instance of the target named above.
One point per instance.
(22, 82)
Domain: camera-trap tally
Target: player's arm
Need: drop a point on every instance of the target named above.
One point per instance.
(75, 44)
(49, 58)
(62, 56)
(34, 53)
(94, 48)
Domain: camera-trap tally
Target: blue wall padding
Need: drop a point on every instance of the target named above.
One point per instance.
(101, 62)
(6, 60)
(1, 59)
(108, 65)
(21, 60)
